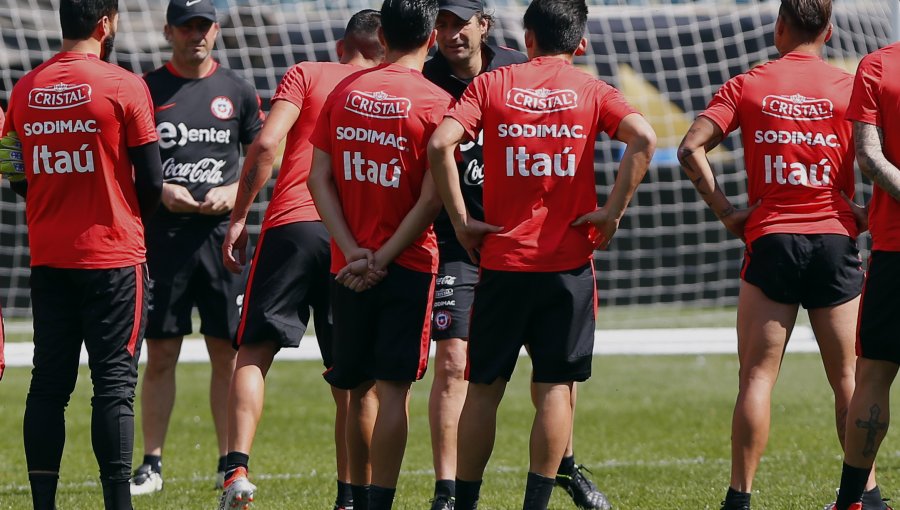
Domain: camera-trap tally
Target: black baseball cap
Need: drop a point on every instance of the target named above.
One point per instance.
(465, 9)
(182, 11)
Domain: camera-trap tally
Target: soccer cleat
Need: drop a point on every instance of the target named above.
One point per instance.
(854, 506)
(442, 503)
(145, 481)
(742, 507)
(346, 507)
(584, 493)
(238, 493)
(220, 480)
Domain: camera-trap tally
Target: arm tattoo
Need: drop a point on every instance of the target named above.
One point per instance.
(873, 427)
(872, 161)
(726, 213)
(249, 178)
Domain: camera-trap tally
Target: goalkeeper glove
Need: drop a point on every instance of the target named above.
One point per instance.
(11, 164)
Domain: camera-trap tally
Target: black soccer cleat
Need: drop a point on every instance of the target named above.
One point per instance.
(442, 503)
(742, 507)
(582, 490)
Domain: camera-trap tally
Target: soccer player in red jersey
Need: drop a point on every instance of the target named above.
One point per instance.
(290, 271)
(800, 229)
(875, 112)
(462, 54)
(371, 185)
(205, 114)
(92, 172)
(541, 225)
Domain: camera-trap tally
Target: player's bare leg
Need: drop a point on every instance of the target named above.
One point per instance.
(341, 404)
(835, 331)
(551, 430)
(550, 433)
(763, 327)
(867, 419)
(445, 403)
(157, 403)
(570, 476)
(361, 415)
(222, 361)
(477, 430)
(388, 441)
(247, 394)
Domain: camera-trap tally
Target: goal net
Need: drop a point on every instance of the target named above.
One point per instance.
(668, 57)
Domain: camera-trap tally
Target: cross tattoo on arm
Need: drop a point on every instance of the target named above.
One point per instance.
(872, 426)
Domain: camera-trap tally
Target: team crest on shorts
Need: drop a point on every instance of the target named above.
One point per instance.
(222, 108)
(442, 320)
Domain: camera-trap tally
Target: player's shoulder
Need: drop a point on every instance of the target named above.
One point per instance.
(114, 73)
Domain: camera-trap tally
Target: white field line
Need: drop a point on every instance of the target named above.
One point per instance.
(614, 341)
(523, 469)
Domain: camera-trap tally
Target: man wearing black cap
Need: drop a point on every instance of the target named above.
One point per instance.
(463, 54)
(204, 115)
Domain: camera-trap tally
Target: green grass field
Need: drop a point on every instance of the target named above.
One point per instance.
(654, 430)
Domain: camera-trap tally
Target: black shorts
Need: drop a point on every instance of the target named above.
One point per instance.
(454, 291)
(815, 270)
(879, 320)
(186, 269)
(553, 313)
(105, 309)
(383, 333)
(288, 276)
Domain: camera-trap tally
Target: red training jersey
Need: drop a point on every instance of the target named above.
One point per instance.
(77, 116)
(306, 86)
(540, 120)
(798, 148)
(375, 127)
(876, 101)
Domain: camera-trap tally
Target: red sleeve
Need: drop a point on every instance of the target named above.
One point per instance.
(134, 97)
(468, 110)
(321, 135)
(864, 106)
(293, 87)
(723, 109)
(613, 108)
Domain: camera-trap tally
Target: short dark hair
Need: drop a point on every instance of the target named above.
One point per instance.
(557, 25)
(808, 17)
(361, 34)
(407, 24)
(78, 18)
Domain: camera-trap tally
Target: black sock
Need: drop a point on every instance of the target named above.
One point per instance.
(360, 497)
(567, 466)
(467, 494)
(43, 490)
(445, 488)
(736, 500)
(381, 498)
(872, 499)
(223, 463)
(853, 484)
(344, 496)
(155, 462)
(116, 495)
(236, 460)
(537, 492)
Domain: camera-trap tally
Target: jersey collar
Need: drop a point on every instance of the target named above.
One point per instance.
(175, 72)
